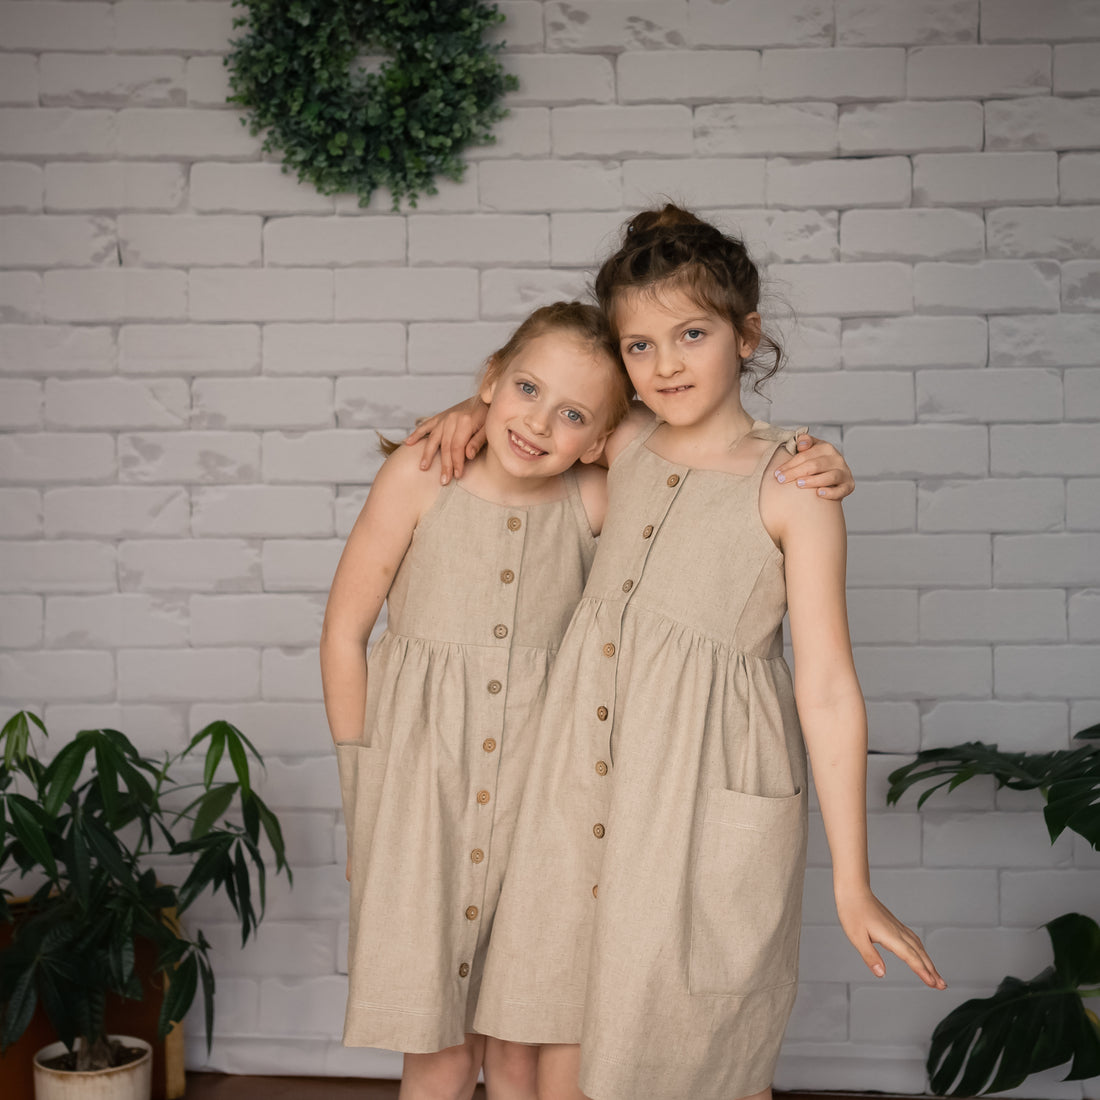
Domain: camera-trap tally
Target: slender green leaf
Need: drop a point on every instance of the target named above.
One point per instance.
(214, 753)
(212, 806)
(182, 986)
(62, 774)
(29, 823)
(18, 1008)
(239, 758)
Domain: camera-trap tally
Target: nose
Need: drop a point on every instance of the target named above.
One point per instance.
(537, 419)
(667, 364)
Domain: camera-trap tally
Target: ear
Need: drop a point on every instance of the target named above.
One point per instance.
(748, 336)
(595, 452)
(488, 387)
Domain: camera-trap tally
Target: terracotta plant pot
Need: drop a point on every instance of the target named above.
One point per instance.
(130, 1082)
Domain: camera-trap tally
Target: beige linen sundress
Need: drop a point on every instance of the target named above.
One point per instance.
(652, 904)
(455, 684)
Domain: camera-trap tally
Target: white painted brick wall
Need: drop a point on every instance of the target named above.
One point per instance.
(195, 350)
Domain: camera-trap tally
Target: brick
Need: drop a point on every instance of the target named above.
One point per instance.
(20, 403)
(454, 349)
(938, 896)
(116, 511)
(925, 450)
(905, 22)
(1056, 232)
(838, 74)
(919, 234)
(22, 187)
(1032, 897)
(334, 349)
(53, 241)
(1082, 394)
(1014, 727)
(562, 79)
(115, 620)
(262, 188)
(992, 286)
(1017, 615)
(189, 565)
(286, 948)
(19, 86)
(290, 620)
(182, 133)
(1084, 616)
(851, 1066)
(1068, 340)
(301, 565)
(879, 1013)
(192, 27)
(57, 566)
(300, 403)
(56, 131)
(905, 342)
(56, 456)
(1079, 177)
(699, 182)
(180, 675)
(577, 239)
(52, 25)
(114, 185)
(542, 185)
(515, 292)
(785, 236)
(200, 457)
(525, 132)
(207, 82)
(189, 349)
(826, 955)
(278, 729)
(421, 294)
(614, 131)
(395, 402)
(604, 27)
(62, 674)
(1070, 449)
(334, 242)
(1081, 288)
(115, 294)
(820, 1013)
(692, 76)
(842, 397)
(882, 615)
(267, 294)
(117, 403)
(893, 727)
(879, 181)
(759, 129)
(1056, 20)
(520, 239)
(984, 179)
(291, 674)
(21, 296)
(282, 999)
(810, 343)
(111, 80)
(989, 395)
(20, 513)
(154, 240)
(57, 350)
(1060, 559)
(908, 128)
(761, 23)
(882, 507)
(1043, 123)
(262, 511)
(523, 25)
(979, 72)
(1077, 69)
(984, 956)
(20, 622)
(334, 455)
(991, 504)
(877, 561)
(843, 290)
(1083, 504)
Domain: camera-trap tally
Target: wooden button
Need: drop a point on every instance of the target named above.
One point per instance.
(500, 631)
(627, 585)
(463, 969)
(494, 687)
(597, 830)
(483, 797)
(609, 649)
(601, 713)
(471, 912)
(507, 576)
(601, 767)
(596, 890)
(514, 523)
(673, 480)
(489, 744)
(647, 530)
(477, 855)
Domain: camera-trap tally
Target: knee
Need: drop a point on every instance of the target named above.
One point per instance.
(514, 1064)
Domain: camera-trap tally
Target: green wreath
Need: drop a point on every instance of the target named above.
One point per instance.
(344, 128)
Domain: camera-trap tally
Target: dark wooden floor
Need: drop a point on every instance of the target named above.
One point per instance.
(219, 1086)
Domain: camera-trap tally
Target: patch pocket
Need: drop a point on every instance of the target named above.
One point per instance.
(746, 893)
(362, 771)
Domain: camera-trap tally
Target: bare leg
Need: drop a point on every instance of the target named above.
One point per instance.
(510, 1070)
(449, 1074)
(559, 1070)
(765, 1095)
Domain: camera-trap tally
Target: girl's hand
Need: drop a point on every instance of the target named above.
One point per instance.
(866, 921)
(818, 465)
(457, 434)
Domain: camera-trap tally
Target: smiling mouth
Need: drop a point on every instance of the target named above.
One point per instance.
(675, 389)
(520, 444)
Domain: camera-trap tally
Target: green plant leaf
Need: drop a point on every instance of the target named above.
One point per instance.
(19, 1007)
(212, 806)
(1076, 942)
(182, 986)
(30, 823)
(214, 753)
(239, 759)
(62, 774)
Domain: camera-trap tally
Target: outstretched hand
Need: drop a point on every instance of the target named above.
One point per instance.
(818, 465)
(456, 434)
(866, 921)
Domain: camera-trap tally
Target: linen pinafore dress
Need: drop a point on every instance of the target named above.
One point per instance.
(455, 685)
(652, 904)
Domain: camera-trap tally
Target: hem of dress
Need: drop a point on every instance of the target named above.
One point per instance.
(533, 1024)
(406, 1033)
(603, 1079)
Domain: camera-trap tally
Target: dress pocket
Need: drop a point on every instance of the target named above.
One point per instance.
(746, 893)
(362, 771)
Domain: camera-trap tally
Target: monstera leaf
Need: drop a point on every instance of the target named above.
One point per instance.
(996, 1043)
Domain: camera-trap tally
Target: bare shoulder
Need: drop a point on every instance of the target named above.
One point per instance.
(636, 421)
(784, 508)
(400, 481)
(592, 484)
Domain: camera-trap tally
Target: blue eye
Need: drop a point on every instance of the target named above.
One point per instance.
(638, 345)
(527, 387)
(694, 333)
(575, 416)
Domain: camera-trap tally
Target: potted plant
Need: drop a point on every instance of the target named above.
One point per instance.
(87, 828)
(994, 1043)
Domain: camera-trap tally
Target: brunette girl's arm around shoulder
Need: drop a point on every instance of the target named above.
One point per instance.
(818, 465)
(400, 495)
(810, 532)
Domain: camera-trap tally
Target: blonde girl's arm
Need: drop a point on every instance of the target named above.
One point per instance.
(374, 549)
(811, 534)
